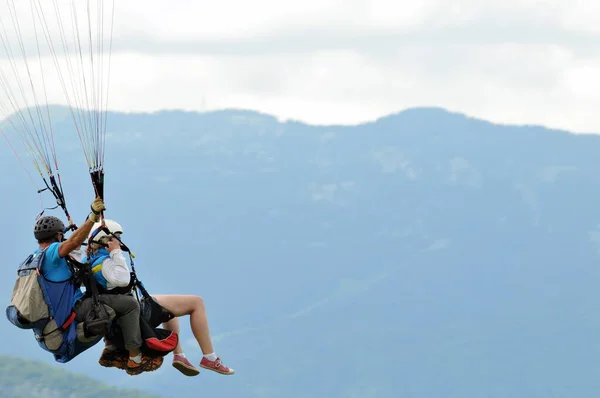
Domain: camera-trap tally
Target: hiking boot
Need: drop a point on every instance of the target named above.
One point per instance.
(112, 358)
(184, 366)
(148, 364)
(216, 366)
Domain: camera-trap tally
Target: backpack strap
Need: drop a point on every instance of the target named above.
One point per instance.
(40, 261)
(63, 328)
(84, 276)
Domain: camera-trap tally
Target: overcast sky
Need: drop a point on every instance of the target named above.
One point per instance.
(336, 61)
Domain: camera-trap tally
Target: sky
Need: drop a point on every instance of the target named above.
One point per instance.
(346, 62)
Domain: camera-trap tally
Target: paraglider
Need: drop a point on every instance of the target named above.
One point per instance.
(69, 44)
(68, 49)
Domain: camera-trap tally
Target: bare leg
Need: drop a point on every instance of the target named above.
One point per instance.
(180, 362)
(173, 326)
(180, 305)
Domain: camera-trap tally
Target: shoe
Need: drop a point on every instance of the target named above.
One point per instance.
(111, 358)
(184, 366)
(148, 364)
(216, 366)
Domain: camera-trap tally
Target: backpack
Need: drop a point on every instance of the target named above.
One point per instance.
(46, 308)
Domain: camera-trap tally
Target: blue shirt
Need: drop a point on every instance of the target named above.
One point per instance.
(96, 261)
(56, 269)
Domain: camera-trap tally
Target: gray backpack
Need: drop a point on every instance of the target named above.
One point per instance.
(43, 306)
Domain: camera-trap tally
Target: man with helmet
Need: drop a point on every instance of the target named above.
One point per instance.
(49, 232)
(112, 273)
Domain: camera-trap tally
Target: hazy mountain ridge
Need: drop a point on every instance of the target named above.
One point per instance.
(31, 379)
(424, 254)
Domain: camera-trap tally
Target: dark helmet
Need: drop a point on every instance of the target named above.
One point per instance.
(47, 227)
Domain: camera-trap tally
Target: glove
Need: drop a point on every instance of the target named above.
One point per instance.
(97, 208)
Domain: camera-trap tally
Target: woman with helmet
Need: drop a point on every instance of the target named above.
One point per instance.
(111, 272)
(109, 265)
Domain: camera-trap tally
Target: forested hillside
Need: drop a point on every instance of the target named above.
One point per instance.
(32, 379)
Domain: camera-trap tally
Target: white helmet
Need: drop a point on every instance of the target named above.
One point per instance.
(112, 226)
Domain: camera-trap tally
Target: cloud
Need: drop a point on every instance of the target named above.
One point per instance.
(391, 160)
(345, 62)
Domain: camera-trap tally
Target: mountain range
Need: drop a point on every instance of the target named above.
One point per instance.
(423, 254)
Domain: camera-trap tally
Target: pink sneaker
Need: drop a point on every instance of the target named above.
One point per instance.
(216, 366)
(184, 366)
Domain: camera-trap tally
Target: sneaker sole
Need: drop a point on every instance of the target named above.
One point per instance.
(186, 370)
(217, 371)
(137, 371)
(112, 364)
(106, 364)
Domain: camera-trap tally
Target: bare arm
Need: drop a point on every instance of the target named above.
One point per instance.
(76, 239)
(80, 235)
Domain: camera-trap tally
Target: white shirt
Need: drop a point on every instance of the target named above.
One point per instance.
(115, 270)
(77, 254)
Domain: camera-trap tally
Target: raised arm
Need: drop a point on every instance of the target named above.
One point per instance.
(80, 235)
(115, 268)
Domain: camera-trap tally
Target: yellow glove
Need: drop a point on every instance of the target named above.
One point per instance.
(97, 208)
